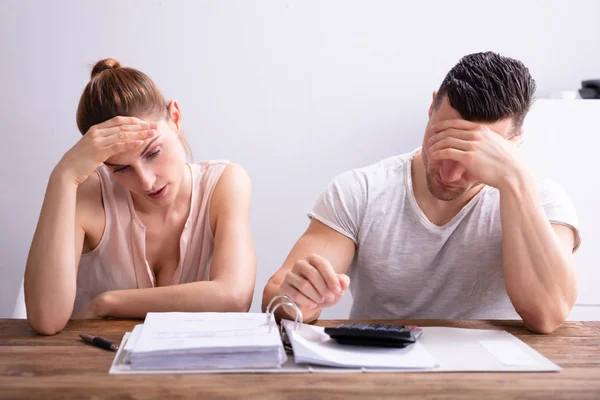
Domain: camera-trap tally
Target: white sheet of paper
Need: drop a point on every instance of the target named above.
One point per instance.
(507, 352)
(215, 332)
(312, 345)
(131, 342)
(133, 338)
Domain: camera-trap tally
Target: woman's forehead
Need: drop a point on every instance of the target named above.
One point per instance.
(127, 157)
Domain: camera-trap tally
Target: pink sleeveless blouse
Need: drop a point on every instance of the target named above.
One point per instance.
(119, 260)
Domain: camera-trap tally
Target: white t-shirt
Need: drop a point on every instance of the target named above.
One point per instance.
(407, 267)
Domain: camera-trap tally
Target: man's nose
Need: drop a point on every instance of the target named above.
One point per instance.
(451, 171)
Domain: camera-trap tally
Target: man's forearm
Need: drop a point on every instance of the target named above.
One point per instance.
(206, 296)
(538, 271)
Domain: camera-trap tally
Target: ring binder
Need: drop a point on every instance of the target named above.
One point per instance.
(287, 301)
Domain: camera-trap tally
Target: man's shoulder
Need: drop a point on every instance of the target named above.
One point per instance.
(392, 164)
(548, 188)
(379, 173)
(553, 196)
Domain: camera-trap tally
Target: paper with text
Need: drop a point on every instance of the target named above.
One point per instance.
(214, 332)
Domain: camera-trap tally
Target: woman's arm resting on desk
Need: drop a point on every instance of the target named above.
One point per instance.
(232, 271)
(537, 257)
(51, 271)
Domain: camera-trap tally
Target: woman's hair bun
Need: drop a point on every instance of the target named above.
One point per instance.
(107, 63)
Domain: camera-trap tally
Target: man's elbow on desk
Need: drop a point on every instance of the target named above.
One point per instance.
(544, 319)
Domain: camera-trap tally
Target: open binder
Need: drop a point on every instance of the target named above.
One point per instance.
(310, 349)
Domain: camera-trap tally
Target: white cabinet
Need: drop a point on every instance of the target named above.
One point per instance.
(562, 142)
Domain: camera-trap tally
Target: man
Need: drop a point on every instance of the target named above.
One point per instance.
(456, 229)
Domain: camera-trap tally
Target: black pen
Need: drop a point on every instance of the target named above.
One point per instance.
(98, 341)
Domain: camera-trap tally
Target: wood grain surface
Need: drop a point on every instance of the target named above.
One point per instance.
(63, 366)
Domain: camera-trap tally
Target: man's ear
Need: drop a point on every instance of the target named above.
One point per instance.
(520, 132)
(432, 106)
(175, 113)
(518, 138)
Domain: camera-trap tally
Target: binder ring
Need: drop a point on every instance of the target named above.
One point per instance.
(286, 301)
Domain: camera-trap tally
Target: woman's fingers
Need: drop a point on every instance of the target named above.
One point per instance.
(116, 121)
(126, 136)
(121, 147)
(119, 129)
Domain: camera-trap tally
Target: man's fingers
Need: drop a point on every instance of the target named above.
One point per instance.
(455, 133)
(327, 272)
(300, 299)
(454, 123)
(344, 281)
(452, 142)
(459, 156)
(304, 286)
(312, 274)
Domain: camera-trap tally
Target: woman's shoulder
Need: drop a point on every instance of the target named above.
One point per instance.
(233, 181)
(229, 188)
(220, 170)
(90, 189)
(234, 174)
(89, 199)
(210, 164)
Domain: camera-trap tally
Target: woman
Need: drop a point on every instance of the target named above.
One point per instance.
(127, 226)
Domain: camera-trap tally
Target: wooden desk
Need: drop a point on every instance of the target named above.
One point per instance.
(33, 366)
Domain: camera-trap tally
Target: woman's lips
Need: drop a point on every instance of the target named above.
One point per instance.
(159, 193)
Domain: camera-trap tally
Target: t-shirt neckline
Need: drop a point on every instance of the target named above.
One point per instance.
(420, 213)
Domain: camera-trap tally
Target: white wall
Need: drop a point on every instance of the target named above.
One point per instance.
(295, 91)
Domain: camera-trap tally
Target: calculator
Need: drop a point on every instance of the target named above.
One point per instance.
(379, 335)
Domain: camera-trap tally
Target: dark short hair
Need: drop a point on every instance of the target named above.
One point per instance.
(488, 87)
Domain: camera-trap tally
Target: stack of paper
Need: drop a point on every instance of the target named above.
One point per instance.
(204, 340)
